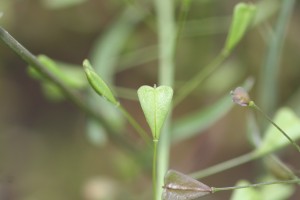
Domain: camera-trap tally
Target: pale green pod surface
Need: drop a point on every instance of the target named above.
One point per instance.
(98, 84)
(155, 103)
(242, 18)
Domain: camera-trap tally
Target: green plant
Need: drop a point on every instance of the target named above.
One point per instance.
(107, 116)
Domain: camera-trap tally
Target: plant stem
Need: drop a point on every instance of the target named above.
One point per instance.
(225, 165)
(214, 189)
(136, 126)
(253, 105)
(74, 97)
(154, 169)
(166, 38)
(271, 67)
(185, 6)
(192, 84)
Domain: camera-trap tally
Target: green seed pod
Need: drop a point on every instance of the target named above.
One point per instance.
(98, 84)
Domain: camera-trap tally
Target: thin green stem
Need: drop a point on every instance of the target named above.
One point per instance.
(154, 168)
(74, 97)
(136, 126)
(191, 85)
(166, 38)
(253, 105)
(271, 67)
(225, 165)
(214, 189)
(184, 10)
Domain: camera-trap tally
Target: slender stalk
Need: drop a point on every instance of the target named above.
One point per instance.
(184, 10)
(225, 165)
(271, 68)
(136, 126)
(253, 105)
(154, 170)
(191, 85)
(214, 189)
(29, 58)
(74, 97)
(166, 37)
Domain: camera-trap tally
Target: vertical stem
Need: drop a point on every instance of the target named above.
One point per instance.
(154, 169)
(270, 70)
(166, 37)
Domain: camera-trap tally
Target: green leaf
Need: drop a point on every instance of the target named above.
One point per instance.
(245, 193)
(49, 64)
(72, 76)
(155, 103)
(194, 123)
(242, 19)
(286, 119)
(98, 84)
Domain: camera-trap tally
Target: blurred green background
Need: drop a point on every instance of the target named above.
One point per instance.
(49, 149)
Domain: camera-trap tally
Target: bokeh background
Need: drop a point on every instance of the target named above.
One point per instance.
(48, 149)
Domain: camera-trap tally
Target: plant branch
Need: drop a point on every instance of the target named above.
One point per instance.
(192, 84)
(136, 126)
(225, 165)
(74, 97)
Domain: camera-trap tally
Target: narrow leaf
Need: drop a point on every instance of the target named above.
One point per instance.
(155, 103)
(273, 139)
(71, 76)
(179, 186)
(242, 19)
(98, 84)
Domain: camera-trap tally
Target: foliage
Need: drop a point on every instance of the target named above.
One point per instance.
(194, 59)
